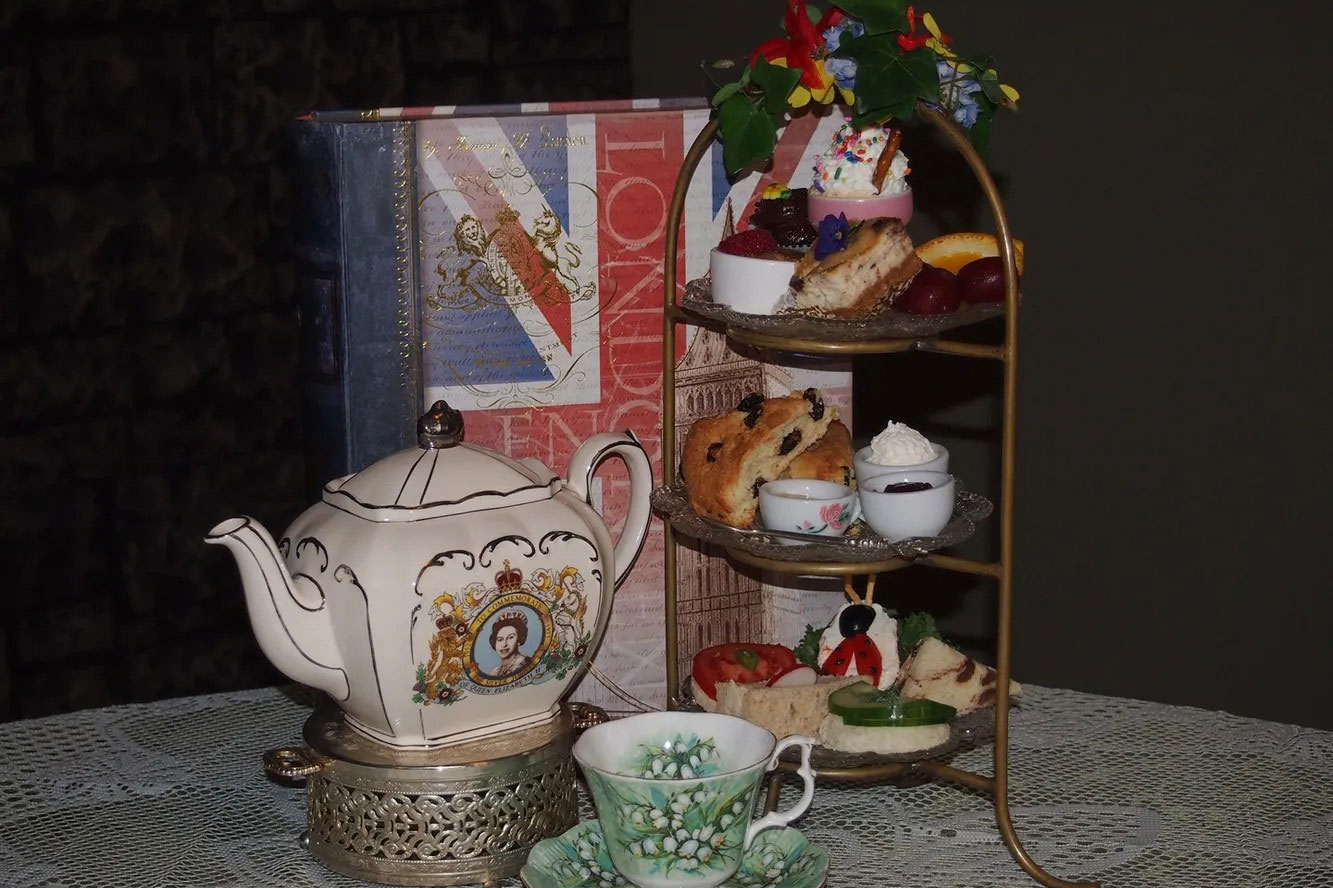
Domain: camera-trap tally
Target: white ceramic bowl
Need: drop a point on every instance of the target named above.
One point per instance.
(866, 469)
(749, 285)
(920, 513)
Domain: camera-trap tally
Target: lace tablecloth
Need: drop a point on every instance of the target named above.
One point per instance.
(1121, 791)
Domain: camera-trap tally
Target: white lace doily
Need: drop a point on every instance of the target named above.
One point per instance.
(1124, 792)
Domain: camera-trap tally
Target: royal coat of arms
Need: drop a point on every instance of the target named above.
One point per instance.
(513, 632)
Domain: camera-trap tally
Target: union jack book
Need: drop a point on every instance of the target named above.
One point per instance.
(508, 259)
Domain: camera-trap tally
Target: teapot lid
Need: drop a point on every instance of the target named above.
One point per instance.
(441, 476)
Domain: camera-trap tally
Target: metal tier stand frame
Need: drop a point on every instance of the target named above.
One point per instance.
(1002, 570)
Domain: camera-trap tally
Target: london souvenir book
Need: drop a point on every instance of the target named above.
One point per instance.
(509, 260)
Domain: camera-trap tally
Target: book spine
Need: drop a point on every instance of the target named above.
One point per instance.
(356, 287)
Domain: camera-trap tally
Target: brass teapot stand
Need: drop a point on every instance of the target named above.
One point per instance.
(460, 815)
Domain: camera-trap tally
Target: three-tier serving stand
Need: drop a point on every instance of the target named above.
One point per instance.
(1001, 570)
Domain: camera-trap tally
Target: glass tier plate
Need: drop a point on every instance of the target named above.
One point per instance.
(860, 545)
(965, 732)
(888, 324)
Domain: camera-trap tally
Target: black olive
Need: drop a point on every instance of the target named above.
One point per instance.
(855, 619)
(751, 419)
(711, 455)
(789, 443)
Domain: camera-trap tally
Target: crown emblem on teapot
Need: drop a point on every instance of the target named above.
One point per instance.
(514, 617)
(509, 579)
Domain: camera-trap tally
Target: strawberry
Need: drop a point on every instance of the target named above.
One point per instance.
(750, 242)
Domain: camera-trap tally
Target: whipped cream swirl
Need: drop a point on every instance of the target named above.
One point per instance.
(900, 445)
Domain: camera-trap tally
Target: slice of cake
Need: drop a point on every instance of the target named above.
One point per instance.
(935, 671)
(871, 265)
(830, 459)
(726, 458)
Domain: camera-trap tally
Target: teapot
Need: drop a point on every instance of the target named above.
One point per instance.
(446, 592)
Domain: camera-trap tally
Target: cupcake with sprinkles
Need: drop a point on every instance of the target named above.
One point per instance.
(862, 175)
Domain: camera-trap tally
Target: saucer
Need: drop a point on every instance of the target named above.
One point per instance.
(779, 858)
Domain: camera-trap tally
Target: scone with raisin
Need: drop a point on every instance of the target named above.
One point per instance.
(726, 458)
(829, 459)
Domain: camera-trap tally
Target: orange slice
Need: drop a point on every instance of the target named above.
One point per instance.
(952, 251)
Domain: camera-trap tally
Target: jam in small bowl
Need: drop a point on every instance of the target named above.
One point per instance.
(902, 504)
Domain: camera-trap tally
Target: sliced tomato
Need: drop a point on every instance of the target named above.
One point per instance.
(741, 663)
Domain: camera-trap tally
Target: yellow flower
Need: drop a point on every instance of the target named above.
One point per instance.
(939, 41)
(823, 94)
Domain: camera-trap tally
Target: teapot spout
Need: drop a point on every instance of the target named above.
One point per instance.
(295, 634)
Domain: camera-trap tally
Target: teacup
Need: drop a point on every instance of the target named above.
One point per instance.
(801, 505)
(675, 793)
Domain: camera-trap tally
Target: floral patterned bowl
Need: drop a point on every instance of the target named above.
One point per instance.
(801, 505)
(780, 858)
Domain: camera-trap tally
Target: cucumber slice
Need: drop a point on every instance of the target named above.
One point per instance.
(862, 705)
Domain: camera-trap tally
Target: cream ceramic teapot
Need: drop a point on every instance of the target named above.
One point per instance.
(446, 592)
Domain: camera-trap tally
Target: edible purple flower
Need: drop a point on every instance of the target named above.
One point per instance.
(832, 236)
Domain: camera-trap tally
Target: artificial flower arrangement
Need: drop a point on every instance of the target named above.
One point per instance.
(878, 57)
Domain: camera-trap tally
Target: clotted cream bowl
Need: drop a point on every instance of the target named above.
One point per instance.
(865, 467)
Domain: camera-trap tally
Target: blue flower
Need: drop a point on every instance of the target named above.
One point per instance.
(832, 237)
(843, 71)
(957, 93)
(966, 113)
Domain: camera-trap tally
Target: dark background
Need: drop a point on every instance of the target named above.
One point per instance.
(1167, 173)
(148, 331)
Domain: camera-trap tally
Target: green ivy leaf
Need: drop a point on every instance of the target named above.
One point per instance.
(748, 133)
(726, 91)
(879, 16)
(990, 85)
(777, 83)
(889, 81)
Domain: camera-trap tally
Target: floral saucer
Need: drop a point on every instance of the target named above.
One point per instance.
(779, 858)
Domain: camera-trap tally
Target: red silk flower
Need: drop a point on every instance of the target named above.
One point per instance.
(803, 38)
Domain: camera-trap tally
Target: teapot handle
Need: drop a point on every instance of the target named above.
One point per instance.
(581, 469)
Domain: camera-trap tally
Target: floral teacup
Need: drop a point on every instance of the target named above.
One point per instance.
(675, 793)
(823, 508)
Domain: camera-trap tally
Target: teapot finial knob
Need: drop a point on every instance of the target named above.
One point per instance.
(439, 427)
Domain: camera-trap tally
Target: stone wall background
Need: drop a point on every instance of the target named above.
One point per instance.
(148, 330)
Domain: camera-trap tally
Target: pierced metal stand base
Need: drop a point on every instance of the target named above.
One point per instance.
(461, 815)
